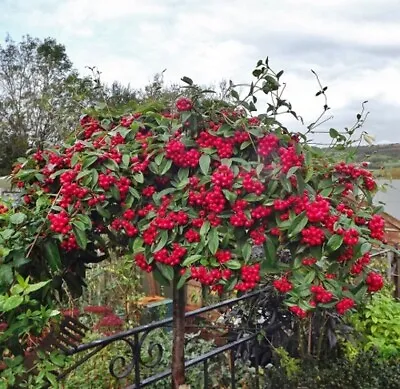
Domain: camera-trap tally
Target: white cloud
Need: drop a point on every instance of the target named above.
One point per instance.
(353, 45)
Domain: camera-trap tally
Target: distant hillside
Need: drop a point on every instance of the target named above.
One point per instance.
(386, 151)
(385, 156)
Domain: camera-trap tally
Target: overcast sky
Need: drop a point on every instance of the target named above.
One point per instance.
(354, 45)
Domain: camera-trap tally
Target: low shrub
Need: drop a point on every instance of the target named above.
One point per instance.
(366, 371)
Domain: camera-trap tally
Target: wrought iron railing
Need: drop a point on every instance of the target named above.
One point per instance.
(124, 366)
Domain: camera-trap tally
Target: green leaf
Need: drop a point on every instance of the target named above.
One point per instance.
(187, 80)
(80, 237)
(297, 225)
(246, 251)
(85, 220)
(78, 225)
(365, 248)
(111, 164)
(230, 196)
(182, 280)
(235, 94)
(166, 167)
(115, 193)
(270, 250)
(126, 160)
(334, 242)
(34, 287)
(139, 177)
(137, 245)
(191, 259)
(11, 303)
(52, 255)
(102, 211)
(17, 218)
(158, 159)
(162, 241)
(309, 278)
(183, 174)
(159, 277)
(205, 162)
(292, 170)
(310, 173)
(90, 160)
(233, 264)
(326, 192)
(205, 228)
(166, 270)
(213, 241)
(95, 178)
(58, 360)
(74, 159)
(333, 133)
(6, 274)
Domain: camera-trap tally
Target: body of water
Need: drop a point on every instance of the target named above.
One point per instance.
(391, 197)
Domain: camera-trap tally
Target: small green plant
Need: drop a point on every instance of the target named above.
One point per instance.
(290, 365)
(23, 317)
(378, 325)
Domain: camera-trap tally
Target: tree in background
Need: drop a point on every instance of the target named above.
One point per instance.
(39, 89)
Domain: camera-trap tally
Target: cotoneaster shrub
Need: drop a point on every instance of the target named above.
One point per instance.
(187, 190)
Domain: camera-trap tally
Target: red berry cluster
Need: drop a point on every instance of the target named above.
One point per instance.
(176, 151)
(283, 285)
(360, 264)
(223, 177)
(141, 262)
(250, 276)
(374, 282)
(347, 254)
(290, 158)
(261, 211)
(224, 146)
(353, 171)
(267, 144)
(184, 104)
(148, 191)
(252, 185)
(59, 222)
(173, 258)
(313, 236)
(192, 236)
(214, 200)
(321, 295)
(309, 261)
(123, 185)
(377, 227)
(299, 312)
(344, 305)
(140, 164)
(223, 256)
(90, 126)
(318, 210)
(106, 181)
(119, 224)
(209, 276)
(258, 236)
(350, 237)
(69, 243)
(150, 235)
(342, 208)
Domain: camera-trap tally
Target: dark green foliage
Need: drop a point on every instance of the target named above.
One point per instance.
(366, 371)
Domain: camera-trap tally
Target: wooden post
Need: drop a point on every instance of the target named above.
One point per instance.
(178, 335)
(389, 256)
(397, 276)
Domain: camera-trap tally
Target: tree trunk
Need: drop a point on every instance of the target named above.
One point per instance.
(178, 340)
